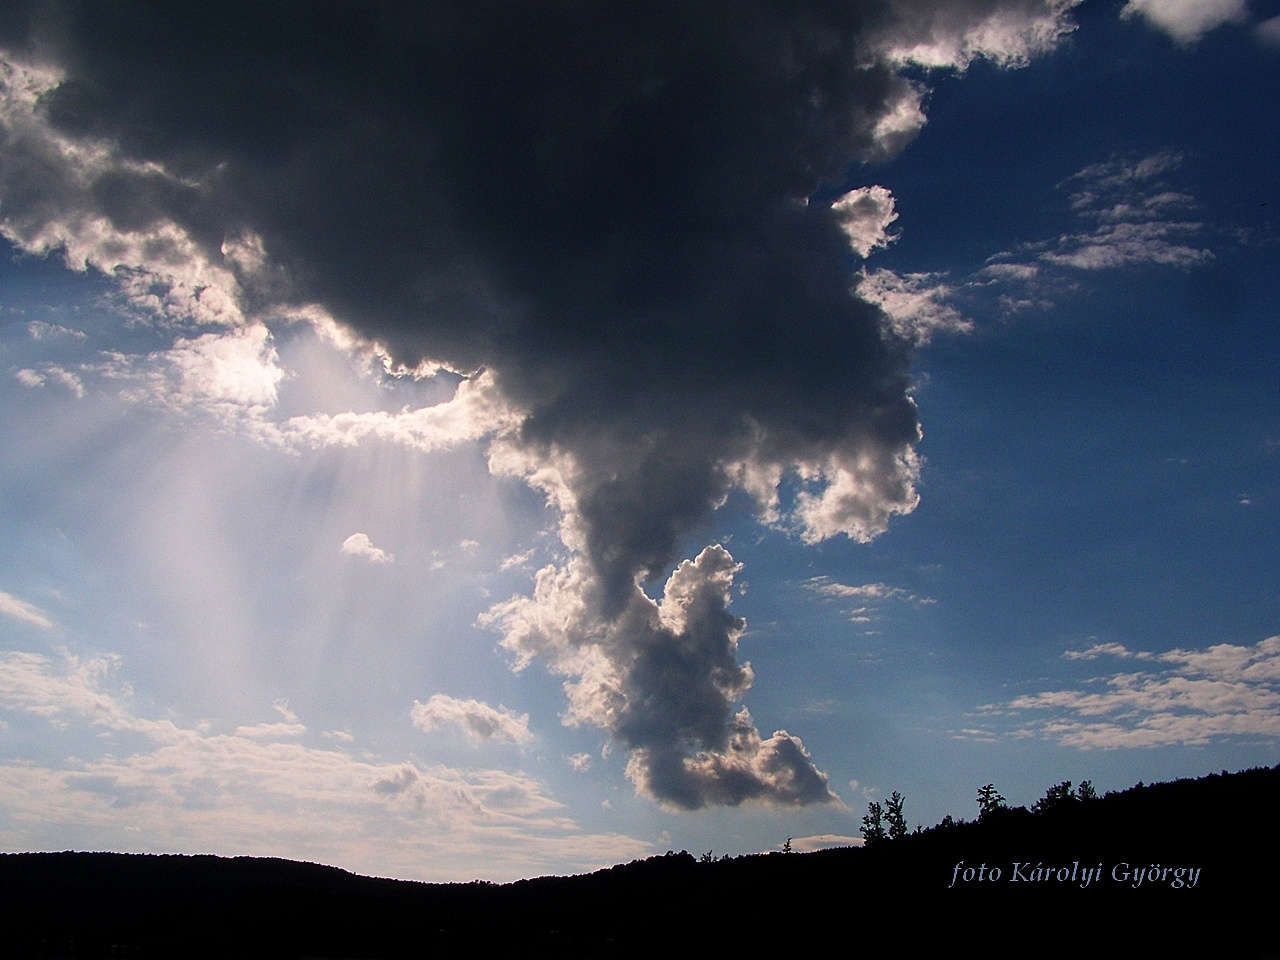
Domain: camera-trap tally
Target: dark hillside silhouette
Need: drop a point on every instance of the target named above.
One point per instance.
(1063, 881)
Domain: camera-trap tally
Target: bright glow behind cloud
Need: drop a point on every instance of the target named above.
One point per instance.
(1187, 20)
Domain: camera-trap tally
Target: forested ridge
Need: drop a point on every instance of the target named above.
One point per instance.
(1181, 867)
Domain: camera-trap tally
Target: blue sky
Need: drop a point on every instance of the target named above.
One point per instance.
(441, 582)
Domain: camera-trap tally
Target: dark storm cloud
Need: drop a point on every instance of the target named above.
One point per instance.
(598, 201)
(606, 207)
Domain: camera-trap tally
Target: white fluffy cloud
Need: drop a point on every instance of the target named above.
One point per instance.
(1187, 20)
(29, 378)
(1181, 697)
(477, 720)
(359, 545)
(49, 180)
(942, 35)
(1120, 244)
(864, 215)
(862, 490)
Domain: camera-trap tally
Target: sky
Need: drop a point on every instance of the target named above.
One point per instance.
(480, 440)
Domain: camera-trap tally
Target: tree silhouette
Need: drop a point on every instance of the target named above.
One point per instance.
(1085, 791)
(1056, 796)
(873, 824)
(893, 814)
(989, 800)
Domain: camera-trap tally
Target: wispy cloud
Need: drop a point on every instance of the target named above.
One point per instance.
(41, 330)
(11, 606)
(289, 728)
(915, 304)
(1128, 212)
(869, 595)
(517, 560)
(1185, 697)
(1107, 650)
(868, 591)
(1132, 216)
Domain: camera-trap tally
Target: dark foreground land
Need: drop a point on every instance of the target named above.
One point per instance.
(1068, 884)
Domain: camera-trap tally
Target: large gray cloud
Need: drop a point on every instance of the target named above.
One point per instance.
(621, 213)
(663, 677)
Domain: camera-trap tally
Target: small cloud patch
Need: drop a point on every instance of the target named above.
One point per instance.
(517, 560)
(864, 216)
(52, 374)
(359, 545)
(479, 721)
